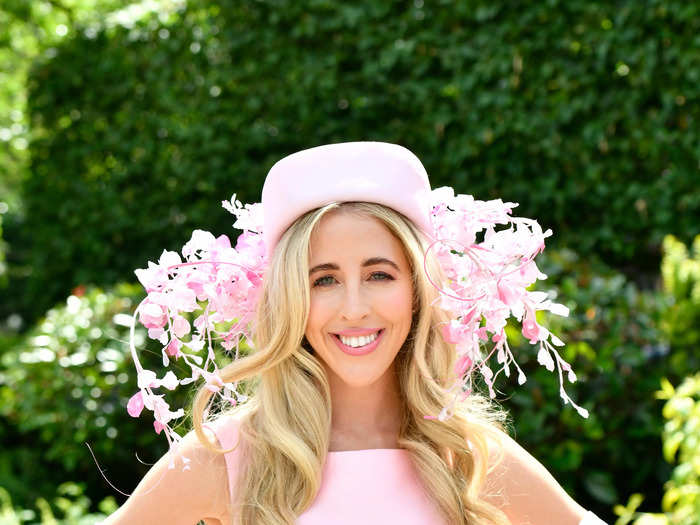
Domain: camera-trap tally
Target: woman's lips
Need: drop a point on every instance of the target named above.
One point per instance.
(361, 350)
(357, 332)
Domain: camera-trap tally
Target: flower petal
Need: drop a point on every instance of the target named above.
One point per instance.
(135, 405)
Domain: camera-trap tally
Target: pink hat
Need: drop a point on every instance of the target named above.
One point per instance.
(378, 172)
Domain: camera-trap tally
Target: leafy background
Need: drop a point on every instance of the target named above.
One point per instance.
(123, 125)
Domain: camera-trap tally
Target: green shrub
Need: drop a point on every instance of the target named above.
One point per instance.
(681, 435)
(622, 342)
(66, 383)
(681, 276)
(73, 507)
(584, 112)
(618, 353)
(3, 249)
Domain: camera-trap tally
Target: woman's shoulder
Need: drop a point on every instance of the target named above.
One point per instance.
(209, 472)
(223, 430)
(187, 484)
(524, 489)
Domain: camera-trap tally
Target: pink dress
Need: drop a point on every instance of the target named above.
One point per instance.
(375, 486)
(372, 487)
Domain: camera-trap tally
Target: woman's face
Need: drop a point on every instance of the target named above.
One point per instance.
(359, 279)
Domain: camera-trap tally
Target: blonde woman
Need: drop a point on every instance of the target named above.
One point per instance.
(361, 405)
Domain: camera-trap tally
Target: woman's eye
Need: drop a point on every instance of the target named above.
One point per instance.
(385, 276)
(321, 281)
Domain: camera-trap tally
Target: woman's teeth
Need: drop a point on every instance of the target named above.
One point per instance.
(356, 342)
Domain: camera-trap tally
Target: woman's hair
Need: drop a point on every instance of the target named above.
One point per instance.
(285, 425)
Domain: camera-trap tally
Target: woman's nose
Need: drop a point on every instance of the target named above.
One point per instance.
(355, 303)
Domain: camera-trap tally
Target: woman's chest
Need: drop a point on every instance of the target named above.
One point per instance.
(376, 486)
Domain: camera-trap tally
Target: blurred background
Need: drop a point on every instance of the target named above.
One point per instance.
(123, 125)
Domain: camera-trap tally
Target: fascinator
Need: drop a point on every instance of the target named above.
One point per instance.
(486, 254)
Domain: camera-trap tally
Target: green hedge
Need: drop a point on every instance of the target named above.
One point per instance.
(583, 112)
(681, 501)
(3, 249)
(66, 383)
(68, 507)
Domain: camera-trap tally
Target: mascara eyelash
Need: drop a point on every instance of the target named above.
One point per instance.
(386, 276)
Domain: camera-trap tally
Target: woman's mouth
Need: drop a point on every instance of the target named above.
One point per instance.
(358, 345)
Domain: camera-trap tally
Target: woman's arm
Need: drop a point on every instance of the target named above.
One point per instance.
(179, 497)
(525, 490)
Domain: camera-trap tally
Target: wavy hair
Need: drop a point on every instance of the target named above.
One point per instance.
(285, 424)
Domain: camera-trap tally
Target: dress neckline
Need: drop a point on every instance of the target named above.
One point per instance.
(395, 450)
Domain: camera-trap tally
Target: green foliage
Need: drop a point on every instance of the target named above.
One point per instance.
(28, 30)
(3, 266)
(66, 383)
(622, 342)
(681, 501)
(681, 275)
(680, 323)
(617, 352)
(582, 112)
(73, 507)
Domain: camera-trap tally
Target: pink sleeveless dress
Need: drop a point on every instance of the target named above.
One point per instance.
(372, 487)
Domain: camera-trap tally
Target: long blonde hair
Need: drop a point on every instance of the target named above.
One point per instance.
(285, 425)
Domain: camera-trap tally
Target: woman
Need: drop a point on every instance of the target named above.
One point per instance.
(353, 357)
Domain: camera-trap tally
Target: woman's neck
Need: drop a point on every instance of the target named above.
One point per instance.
(365, 417)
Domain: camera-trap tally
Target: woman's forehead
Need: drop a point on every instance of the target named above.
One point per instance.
(352, 235)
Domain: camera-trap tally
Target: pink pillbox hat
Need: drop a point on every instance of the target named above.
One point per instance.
(368, 171)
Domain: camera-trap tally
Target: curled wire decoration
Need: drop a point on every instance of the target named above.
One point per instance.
(437, 286)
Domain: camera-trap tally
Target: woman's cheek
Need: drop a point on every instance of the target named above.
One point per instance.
(398, 300)
(321, 306)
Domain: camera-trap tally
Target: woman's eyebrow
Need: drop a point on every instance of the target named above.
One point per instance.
(380, 260)
(368, 262)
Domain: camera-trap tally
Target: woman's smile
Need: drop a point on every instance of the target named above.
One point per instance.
(359, 345)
